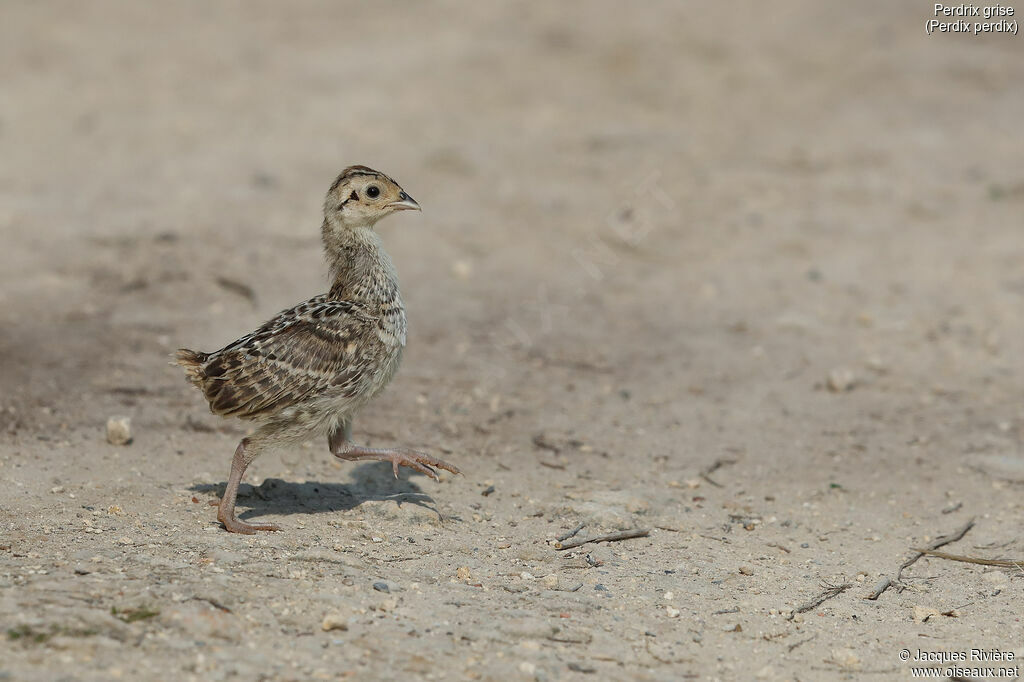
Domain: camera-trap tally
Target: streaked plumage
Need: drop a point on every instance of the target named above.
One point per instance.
(306, 371)
(320, 349)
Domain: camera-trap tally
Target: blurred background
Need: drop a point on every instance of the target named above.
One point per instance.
(653, 235)
(597, 183)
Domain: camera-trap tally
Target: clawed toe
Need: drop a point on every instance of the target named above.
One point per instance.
(422, 463)
(233, 525)
(448, 467)
(414, 465)
(417, 461)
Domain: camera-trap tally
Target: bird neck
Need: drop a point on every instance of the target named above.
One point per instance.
(360, 268)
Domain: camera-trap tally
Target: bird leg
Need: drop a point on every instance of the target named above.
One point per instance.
(226, 507)
(343, 448)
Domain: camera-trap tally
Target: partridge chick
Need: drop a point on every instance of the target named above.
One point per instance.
(309, 369)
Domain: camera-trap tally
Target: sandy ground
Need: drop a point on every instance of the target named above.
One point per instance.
(655, 241)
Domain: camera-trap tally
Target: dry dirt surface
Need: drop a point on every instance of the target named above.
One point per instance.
(747, 276)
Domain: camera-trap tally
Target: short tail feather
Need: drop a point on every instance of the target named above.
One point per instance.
(192, 361)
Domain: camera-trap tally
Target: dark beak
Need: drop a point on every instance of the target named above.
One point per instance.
(404, 203)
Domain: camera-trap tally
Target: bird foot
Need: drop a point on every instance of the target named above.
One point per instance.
(233, 525)
(403, 457)
(420, 462)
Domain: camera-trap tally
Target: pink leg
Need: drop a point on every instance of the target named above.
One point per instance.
(226, 507)
(397, 456)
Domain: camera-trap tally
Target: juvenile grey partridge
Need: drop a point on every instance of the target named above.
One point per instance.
(308, 370)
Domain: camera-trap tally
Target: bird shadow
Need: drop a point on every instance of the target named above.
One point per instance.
(372, 482)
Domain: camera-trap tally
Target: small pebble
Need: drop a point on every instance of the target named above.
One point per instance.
(845, 658)
(671, 611)
(997, 578)
(381, 587)
(334, 621)
(746, 570)
(119, 430)
(462, 269)
(841, 379)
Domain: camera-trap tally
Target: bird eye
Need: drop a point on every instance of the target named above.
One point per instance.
(373, 191)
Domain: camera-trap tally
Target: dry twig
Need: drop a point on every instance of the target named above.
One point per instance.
(212, 602)
(551, 465)
(801, 642)
(885, 583)
(611, 537)
(571, 533)
(540, 441)
(714, 466)
(938, 542)
(239, 288)
(1003, 563)
(832, 591)
(881, 586)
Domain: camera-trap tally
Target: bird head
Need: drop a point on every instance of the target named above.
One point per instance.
(361, 196)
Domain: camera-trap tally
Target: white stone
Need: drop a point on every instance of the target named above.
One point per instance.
(334, 621)
(845, 658)
(119, 430)
(841, 379)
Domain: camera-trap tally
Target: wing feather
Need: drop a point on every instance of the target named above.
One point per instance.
(319, 347)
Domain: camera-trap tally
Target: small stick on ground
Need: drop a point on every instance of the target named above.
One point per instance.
(540, 441)
(832, 591)
(938, 542)
(802, 641)
(778, 546)
(881, 586)
(611, 537)
(212, 602)
(1003, 563)
(572, 533)
(239, 288)
(886, 583)
(714, 466)
(551, 465)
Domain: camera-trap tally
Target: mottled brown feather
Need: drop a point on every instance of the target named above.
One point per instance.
(320, 348)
